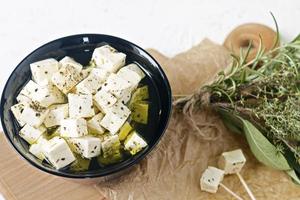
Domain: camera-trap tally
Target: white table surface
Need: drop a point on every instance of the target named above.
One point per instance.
(171, 26)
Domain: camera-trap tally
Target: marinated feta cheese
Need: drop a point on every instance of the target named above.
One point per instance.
(211, 179)
(37, 148)
(73, 127)
(31, 134)
(125, 96)
(121, 110)
(93, 124)
(33, 114)
(66, 78)
(232, 162)
(113, 120)
(136, 69)
(80, 105)
(43, 70)
(92, 82)
(17, 111)
(44, 95)
(116, 85)
(68, 61)
(111, 146)
(104, 100)
(134, 143)
(130, 76)
(21, 98)
(108, 58)
(56, 114)
(87, 146)
(58, 152)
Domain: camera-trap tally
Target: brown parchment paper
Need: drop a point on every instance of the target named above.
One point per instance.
(173, 170)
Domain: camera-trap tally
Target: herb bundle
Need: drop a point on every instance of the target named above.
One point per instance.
(260, 99)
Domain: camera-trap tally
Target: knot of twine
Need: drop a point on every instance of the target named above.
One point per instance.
(189, 105)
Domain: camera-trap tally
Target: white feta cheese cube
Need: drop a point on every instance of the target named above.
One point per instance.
(56, 114)
(31, 134)
(44, 95)
(81, 105)
(232, 162)
(43, 70)
(120, 109)
(115, 118)
(33, 114)
(58, 153)
(68, 61)
(104, 100)
(17, 110)
(92, 82)
(125, 96)
(134, 143)
(21, 98)
(87, 146)
(66, 78)
(37, 148)
(211, 179)
(73, 127)
(110, 146)
(130, 76)
(116, 85)
(136, 69)
(94, 126)
(108, 58)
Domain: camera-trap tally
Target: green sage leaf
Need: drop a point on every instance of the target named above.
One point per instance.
(294, 176)
(263, 149)
(231, 121)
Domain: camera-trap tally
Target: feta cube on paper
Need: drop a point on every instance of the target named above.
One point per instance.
(134, 143)
(73, 127)
(114, 119)
(58, 152)
(92, 82)
(37, 148)
(66, 78)
(87, 146)
(17, 111)
(43, 70)
(108, 58)
(116, 85)
(94, 124)
(80, 105)
(232, 162)
(31, 134)
(33, 114)
(130, 76)
(211, 179)
(68, 61)
(56, 114)
(104, 100)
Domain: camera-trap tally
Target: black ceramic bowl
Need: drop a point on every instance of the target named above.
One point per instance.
(80, 47)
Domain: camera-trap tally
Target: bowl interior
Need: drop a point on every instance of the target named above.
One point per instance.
(80, 47)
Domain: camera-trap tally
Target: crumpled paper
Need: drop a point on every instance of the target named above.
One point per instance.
(173, 169)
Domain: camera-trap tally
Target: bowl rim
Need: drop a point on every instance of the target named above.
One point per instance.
(117, 169)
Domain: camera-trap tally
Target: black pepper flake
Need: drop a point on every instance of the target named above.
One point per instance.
(92, 151)
(65, 128)
(122, 108)
(61, 73)
(108, 102)
(92, 107)
(95, 147)
(123, 102)
(47, 96)
(99, 89)
(21, 110)
(37, 114)
(57, 161)
(80, 107)
(212, 179)
(105, 84)
(63, 159)
(208, 180)
(81, 74)
(36, 90)
(46, 72)
(37, 66)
